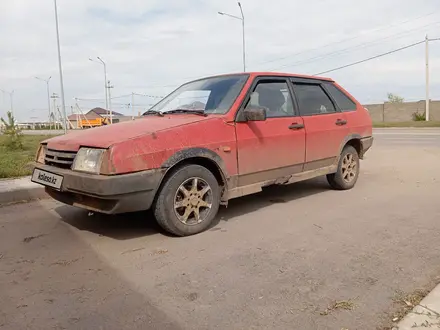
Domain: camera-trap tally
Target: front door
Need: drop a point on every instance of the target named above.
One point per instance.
(275, 147)
(325, 126)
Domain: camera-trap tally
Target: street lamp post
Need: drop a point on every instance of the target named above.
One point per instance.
(48, 93)
(243, 31)
(11, 98)
(105, 79)
(60, 68)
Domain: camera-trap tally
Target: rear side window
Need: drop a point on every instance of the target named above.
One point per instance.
(312, 100)
(342, 100)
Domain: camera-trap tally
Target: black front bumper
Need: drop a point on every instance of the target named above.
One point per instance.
(106, 194)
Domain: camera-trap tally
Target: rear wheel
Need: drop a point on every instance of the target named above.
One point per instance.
(188, 201)
(348, 170)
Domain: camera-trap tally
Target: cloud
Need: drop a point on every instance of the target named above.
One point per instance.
(152, 46)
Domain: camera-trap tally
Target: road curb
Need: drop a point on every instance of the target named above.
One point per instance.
(424, 315)
(22, 195)
(19, 190)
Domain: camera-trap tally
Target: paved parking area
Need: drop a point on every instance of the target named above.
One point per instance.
(276, 260)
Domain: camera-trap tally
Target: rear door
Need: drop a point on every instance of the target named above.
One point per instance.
(358, 119)
(326, 127)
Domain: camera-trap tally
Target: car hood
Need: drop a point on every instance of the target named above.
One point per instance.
(106, 136)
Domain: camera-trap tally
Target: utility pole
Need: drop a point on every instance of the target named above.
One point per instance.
(427, 100)
(110, 101)
(11, 99)
(54, 98)
(132, 105)
(427, 78)
(60, 68)
(48, 92)
(11, 96)
(58, 114)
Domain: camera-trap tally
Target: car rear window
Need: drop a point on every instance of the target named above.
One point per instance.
(342, 100)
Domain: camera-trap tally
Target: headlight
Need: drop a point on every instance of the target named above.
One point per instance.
(41, 154)
(88, 160)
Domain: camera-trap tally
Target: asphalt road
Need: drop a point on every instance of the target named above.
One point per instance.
(276, 260)
(425, 137)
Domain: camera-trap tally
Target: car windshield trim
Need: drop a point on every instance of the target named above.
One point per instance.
(230, 96)
(192, 111)
(153, 112)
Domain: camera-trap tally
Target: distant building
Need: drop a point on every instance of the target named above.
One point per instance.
(74, 119)
(94, 114)
(105, 113)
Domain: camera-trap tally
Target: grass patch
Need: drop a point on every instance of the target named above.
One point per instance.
(16, 163)
(408, 124)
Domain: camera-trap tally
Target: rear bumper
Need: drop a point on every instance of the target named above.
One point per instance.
(106, 194)
(366, 144)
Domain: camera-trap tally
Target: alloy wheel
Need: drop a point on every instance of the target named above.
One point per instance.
(349, 168)
(193, 201)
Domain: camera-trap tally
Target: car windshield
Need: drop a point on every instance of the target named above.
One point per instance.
(213, 95)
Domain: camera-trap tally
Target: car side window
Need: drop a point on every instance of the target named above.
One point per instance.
(274, 97)
(343, 101)
(312, 100)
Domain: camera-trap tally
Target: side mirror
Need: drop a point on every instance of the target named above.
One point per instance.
(254, 114)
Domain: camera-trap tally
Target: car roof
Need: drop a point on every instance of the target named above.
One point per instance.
(274, 74)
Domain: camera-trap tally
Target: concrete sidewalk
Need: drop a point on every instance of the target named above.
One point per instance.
(18, 190)
(424, 315)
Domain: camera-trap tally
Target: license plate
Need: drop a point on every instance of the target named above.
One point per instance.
(47, 178)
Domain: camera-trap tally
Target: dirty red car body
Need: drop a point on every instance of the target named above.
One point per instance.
(245, 147)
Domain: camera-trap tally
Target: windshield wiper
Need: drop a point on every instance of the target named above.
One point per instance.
(194, 111)
(153, 112)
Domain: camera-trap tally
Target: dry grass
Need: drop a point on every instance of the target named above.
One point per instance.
(347, 305)
(406, 302)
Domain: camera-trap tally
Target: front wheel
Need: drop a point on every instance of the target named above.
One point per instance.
(348, 170)
(188, 201)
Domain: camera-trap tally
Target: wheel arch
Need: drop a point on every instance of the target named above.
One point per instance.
(353, 140)
(198, 156)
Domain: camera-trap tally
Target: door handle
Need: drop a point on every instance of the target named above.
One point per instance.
(296, 126)
(341, 122)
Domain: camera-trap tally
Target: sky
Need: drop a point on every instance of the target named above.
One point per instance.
(152, 46)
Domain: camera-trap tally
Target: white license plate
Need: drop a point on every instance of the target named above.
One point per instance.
(47, 178)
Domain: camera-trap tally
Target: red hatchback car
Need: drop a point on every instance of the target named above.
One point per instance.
(207, 142)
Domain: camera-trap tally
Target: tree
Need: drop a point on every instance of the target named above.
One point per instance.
(393, 98)
(14, 137)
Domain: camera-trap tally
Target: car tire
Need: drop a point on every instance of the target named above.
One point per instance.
(188, 201)
(348, 170)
